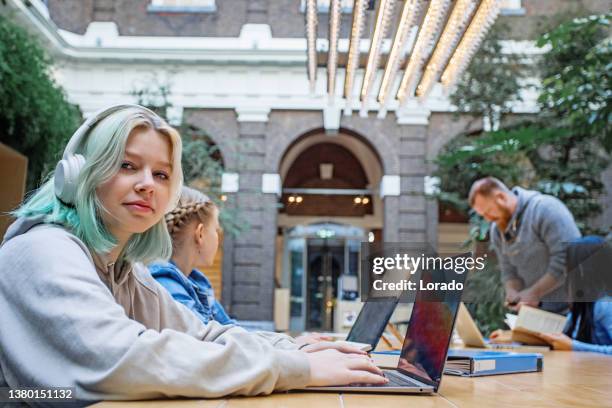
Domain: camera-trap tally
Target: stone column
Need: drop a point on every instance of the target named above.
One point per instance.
(412, 209)
(253, 251)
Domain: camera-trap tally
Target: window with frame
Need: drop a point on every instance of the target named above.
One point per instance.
(512, 8)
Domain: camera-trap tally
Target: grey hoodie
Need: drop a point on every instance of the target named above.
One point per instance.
(69, 320)
(543, 229)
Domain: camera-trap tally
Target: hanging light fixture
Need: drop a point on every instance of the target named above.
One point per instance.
(332, 57)
(410, 14)
(383, 17)
(481, 23)
(311, 41)
(426, 40)
(359, 9)
(447, 32)
(457, 22)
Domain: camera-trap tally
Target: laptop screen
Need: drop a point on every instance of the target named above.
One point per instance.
(426, 343)
(372, 321)
(429, 332)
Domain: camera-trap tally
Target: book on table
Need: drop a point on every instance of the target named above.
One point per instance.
(473, 363)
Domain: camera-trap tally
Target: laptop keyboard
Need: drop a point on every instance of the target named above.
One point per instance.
(396, 380)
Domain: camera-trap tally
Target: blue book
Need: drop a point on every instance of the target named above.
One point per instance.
(474, 363)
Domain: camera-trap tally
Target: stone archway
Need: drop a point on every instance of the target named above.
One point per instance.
(364, 159)
(373, 134)
(222, 136)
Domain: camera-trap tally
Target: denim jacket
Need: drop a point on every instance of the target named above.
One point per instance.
(602, 329)
(195, 292)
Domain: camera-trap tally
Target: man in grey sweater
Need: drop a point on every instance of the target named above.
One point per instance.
(529, 232)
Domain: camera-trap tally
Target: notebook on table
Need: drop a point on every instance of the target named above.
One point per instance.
(475, 363)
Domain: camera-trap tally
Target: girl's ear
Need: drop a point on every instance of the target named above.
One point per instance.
(199, 233)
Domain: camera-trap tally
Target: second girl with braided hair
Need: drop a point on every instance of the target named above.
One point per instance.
(194, 227)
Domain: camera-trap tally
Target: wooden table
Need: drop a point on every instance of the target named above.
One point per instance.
(569, 379)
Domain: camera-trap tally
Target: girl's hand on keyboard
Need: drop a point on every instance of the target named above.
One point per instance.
(332, 367)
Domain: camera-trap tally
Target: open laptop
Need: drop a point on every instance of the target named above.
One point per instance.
(421, 364)
(372, 320)
(472, 337)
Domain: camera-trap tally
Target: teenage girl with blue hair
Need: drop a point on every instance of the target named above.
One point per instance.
(80, 309)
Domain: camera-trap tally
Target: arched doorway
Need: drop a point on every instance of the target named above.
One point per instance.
(329, 206)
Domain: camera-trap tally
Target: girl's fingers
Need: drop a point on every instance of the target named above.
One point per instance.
(364, 377)
(346, 348)
(363, 364)
(357, 355)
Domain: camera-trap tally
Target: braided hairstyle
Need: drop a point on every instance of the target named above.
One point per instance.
(193, 205)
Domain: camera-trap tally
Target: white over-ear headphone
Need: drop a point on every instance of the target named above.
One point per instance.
(68, 169)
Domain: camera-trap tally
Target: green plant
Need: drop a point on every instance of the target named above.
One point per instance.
(560, 151)
(576, 71)
(203, 167)
(484, 290)
(35, 117)
(492, 82)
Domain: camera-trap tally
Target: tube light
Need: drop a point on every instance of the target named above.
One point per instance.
(409, 18)
(481, 23)
(457, 23)
(424, 45)
(383, 17)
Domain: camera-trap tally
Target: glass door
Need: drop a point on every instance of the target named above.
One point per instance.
(315, 258)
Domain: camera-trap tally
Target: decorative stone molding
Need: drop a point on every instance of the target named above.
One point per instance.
(390, 185)
(253, 114)
(229, 182)
(271, 183)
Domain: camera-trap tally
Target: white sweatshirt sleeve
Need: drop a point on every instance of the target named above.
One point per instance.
(62, 327)
(176, 316)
